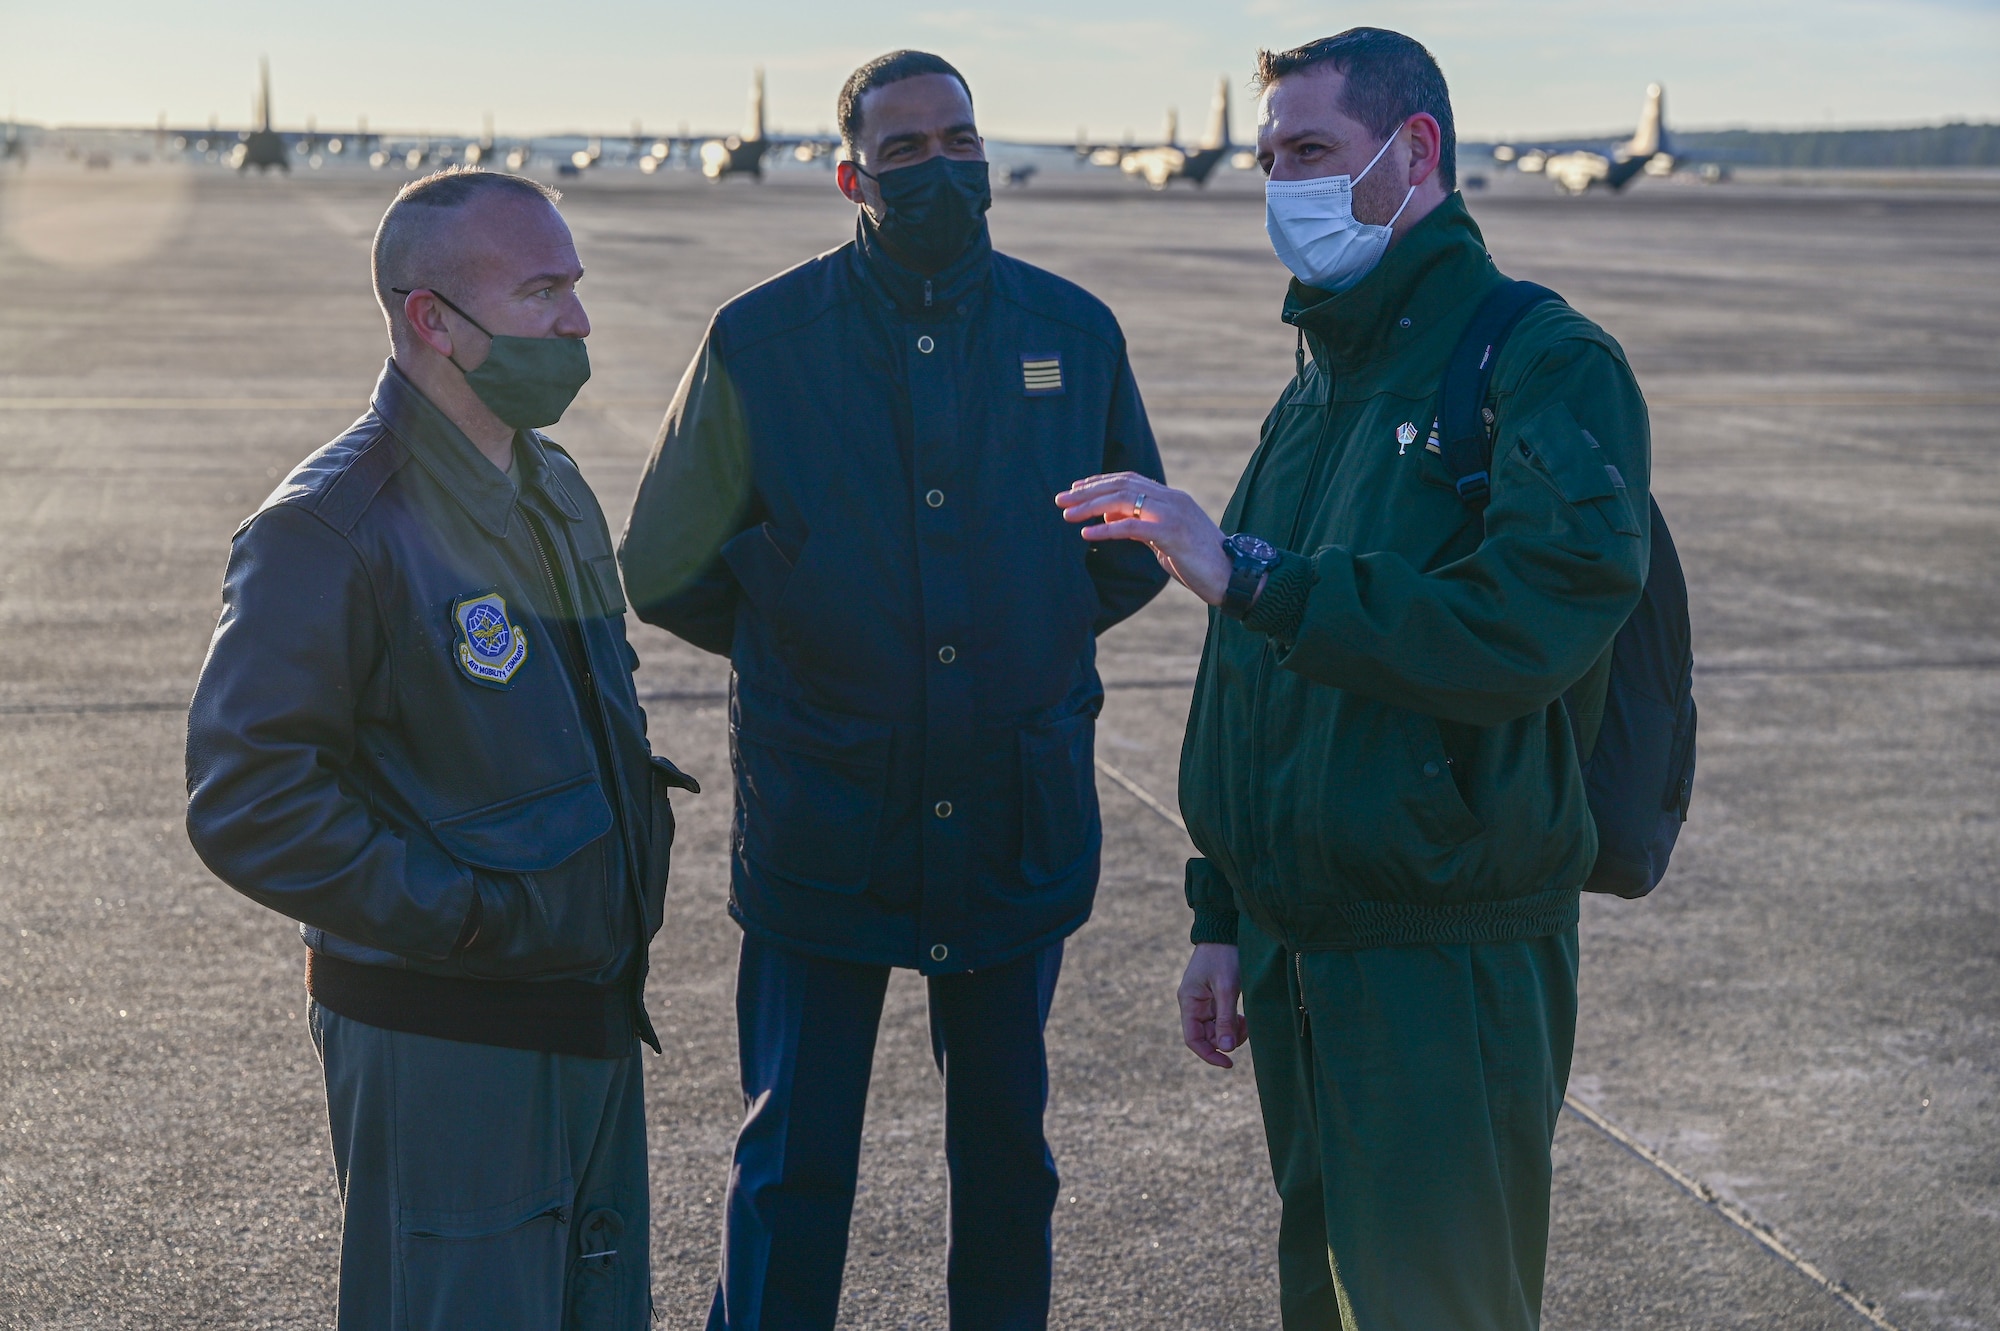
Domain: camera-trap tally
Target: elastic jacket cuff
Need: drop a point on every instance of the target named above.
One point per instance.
(1281, 607)
(1213, 902)
(1214, 926)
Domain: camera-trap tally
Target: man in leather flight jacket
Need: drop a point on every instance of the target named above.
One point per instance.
(850, 497)
(417, 734)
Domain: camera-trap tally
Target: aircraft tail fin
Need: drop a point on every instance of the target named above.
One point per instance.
(264, 94)
(1652, 135)
(1218, 117)
(756, 134)
(1172, 131)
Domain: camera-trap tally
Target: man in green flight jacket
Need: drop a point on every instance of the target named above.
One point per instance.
(1378, 770)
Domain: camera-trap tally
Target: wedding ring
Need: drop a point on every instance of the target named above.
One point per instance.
(1138, 506)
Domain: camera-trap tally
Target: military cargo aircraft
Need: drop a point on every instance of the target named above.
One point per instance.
(1160, 164)
(743, 154)
(1575, 168)
(484, 151)
(262, 147)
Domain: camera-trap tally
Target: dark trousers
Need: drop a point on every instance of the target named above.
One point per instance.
(485, 1187)
(1410, 1097)
(806, 1033)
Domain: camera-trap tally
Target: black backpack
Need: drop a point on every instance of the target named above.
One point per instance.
(1640, 775)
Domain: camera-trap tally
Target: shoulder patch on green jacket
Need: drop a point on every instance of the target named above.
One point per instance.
(1578, 466)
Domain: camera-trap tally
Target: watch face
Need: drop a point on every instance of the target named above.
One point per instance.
(1251, 547)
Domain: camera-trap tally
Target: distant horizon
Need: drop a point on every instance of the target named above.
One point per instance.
(1039, 69)
(1188, 131)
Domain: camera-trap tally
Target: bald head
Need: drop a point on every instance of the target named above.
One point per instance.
(486, 241)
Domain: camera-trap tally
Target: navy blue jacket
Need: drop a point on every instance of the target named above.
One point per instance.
(853, 497)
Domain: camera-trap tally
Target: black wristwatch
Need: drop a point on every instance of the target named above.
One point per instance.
(1250, 559)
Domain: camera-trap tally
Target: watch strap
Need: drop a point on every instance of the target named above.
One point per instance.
(1246, 572)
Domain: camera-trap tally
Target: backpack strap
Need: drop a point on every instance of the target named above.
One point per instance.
(1465, 422)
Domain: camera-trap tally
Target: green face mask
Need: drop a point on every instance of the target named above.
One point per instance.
(528, 382)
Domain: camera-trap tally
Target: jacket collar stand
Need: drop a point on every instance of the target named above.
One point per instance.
(1440, 264)
(902, 288)
(481, 488)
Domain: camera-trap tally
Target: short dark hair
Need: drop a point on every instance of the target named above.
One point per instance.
(880, 72)
(1390, 78)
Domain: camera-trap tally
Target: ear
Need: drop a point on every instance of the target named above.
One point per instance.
(1426, 142)
(849, 181)
(425, 316)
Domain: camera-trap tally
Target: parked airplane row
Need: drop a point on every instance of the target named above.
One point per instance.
(746, 152)
(1573, 166)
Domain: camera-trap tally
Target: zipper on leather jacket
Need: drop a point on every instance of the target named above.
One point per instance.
(592, 713)
(562, 605)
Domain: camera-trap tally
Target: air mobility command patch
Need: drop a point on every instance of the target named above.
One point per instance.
(491, 647)
(1041, 376)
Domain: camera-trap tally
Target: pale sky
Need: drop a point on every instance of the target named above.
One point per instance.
(1038, 68)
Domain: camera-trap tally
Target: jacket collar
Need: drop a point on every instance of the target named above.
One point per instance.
(902, 289)
(1436, 267)
(480, 488)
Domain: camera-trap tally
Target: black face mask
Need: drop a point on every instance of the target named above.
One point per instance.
(931, 211)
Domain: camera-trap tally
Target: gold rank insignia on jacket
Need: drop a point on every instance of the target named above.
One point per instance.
(1041, 376)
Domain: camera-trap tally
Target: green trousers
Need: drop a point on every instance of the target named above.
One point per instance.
(485, 1189)
(1410, 1097)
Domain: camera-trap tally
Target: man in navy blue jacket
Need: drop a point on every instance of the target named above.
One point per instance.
(849, 497)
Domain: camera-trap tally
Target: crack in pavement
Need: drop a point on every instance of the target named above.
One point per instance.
(1736, 1214)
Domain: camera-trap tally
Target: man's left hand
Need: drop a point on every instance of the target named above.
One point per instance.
(1137, 508)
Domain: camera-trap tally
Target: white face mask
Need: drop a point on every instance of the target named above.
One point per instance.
(1311, 225)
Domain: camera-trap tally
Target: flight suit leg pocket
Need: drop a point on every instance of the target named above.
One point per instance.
(597, 1294)
(497, 1266)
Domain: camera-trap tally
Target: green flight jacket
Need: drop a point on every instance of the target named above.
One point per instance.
(1378, 753)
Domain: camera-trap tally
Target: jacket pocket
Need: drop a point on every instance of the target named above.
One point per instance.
(531, 832)
(458, 1266)
(1059, 815)
(762, 566)
(555, 903)
(1353, 792)
(810, 786)
(1440, 811)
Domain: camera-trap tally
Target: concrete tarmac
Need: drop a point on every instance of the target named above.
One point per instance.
(1803, 1022)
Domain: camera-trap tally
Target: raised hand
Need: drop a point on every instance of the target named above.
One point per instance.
(1132, 507)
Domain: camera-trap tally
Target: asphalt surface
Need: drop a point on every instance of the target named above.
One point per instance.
(1804, 1020)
